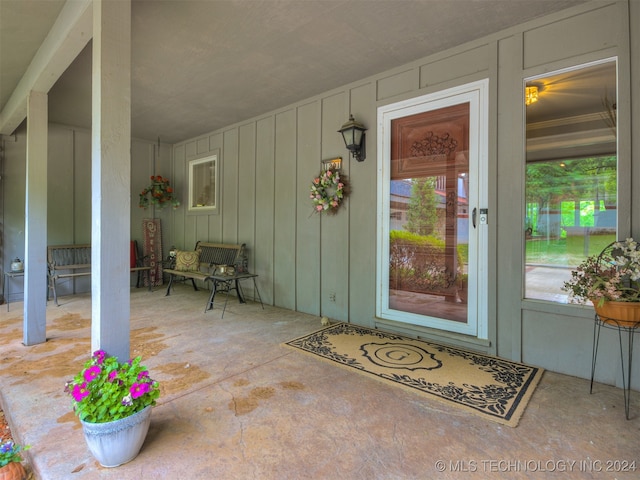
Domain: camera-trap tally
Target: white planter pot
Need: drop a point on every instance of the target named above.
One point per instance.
(117, 442)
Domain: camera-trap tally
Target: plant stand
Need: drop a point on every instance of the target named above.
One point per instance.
(622, 326)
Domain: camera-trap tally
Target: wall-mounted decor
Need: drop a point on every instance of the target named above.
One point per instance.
(332, 164)
(328, 190)
(203, 185)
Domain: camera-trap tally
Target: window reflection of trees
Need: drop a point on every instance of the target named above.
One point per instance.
(571, 176)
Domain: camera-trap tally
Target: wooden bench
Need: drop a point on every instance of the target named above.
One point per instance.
(202, 262)
(71, 261)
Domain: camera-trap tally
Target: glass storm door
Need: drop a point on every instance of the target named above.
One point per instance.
(433, 217)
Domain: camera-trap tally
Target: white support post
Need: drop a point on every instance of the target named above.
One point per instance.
(111, 177)
(35, 261)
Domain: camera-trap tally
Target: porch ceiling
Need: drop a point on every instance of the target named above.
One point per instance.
(200, 65)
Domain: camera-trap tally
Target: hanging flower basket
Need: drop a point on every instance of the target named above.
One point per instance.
(159, 194)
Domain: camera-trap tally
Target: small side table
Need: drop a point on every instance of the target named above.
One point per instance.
(630, 329)
(227, 283)
(8, 276)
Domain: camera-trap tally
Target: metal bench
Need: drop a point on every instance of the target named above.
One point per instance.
(209, 257)
(70, 261)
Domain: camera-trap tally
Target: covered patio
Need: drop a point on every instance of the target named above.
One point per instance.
(237, 404)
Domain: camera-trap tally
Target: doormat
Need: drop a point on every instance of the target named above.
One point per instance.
(491, 387)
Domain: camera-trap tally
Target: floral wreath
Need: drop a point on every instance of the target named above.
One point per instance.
(161, 194)
(328, 190)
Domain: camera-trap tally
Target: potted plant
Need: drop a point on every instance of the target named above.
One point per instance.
(611, 281)
(113, 401)
(159, 194)
(10, 458)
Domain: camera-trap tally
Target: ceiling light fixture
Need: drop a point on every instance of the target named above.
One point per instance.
(530, 94)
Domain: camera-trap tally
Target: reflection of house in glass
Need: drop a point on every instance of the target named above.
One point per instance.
(400, 195)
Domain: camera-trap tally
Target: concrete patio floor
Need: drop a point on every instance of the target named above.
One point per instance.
(236, 404)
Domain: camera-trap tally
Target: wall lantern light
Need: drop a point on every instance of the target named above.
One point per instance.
(354, 138)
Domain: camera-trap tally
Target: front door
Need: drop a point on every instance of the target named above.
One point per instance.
(433, 210)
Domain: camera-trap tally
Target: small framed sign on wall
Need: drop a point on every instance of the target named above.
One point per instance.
(203, 185)
(332, 164)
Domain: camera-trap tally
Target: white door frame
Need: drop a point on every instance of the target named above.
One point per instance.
(477, 95)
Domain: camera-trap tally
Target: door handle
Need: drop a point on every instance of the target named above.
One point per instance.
(473, 217)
